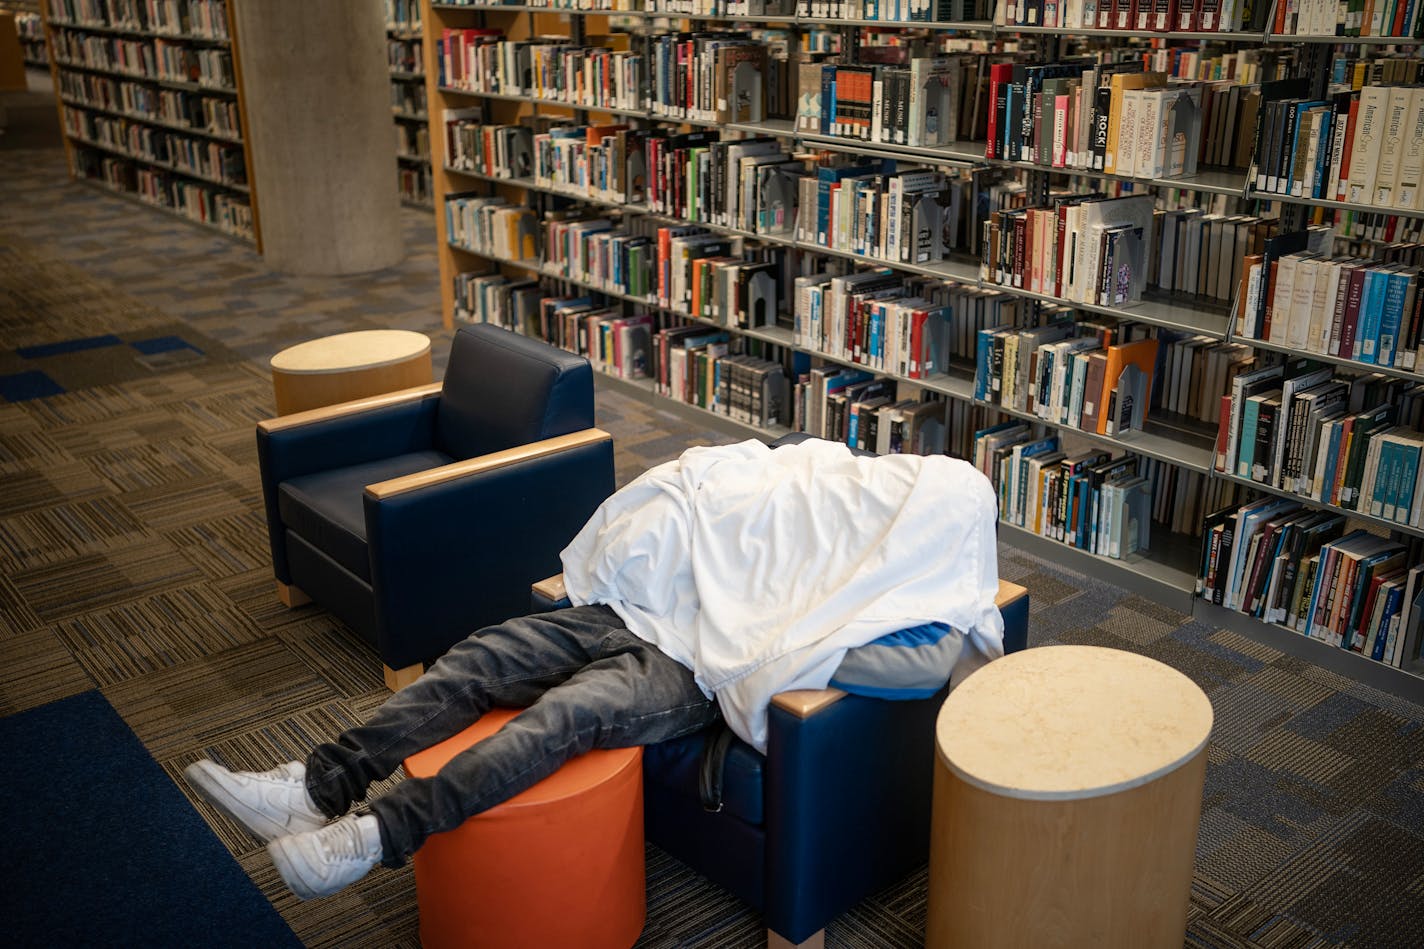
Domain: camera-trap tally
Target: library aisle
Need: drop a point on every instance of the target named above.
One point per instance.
(134, 561)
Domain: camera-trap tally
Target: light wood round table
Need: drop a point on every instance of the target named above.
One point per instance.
(1067, 794)
(349, 366)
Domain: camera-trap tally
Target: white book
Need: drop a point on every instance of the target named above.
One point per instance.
(1324, 310)
(1127, 132)
(1369, 134)
(1408, 192)
(1282, 297)
(1302, 302)
(1391, 150)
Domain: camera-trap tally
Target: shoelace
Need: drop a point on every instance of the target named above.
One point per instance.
(343, 841)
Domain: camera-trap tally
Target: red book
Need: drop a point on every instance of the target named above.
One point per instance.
(1222, 434)
(1343, 190)
(1352, 313)
(917, 342)
(999, 76)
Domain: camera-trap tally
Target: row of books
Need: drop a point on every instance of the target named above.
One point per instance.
(896, 11)
(894, 98)
(1187, 16)
(913, 327)
(1297, 567)
(1083, 249)
(1297, 427)
(1092, 379)
(1116, 118)
(1350, 308)
(412, 140)
(1348, 18)
(146, 59)
(228, 212)
(491, 225)
(403, 16)
(203, 157)
(1242, 66)
(214, 114)
(717, 76)
(479, 60)
(408, 98)
(1363, 147)
(201, 18)
(405, 55)
(413, 183)
(867, 412)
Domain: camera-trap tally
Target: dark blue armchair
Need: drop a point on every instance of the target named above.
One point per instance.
(421, 516)
(838, 808)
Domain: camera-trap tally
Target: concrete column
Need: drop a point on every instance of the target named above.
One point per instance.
(318, 113)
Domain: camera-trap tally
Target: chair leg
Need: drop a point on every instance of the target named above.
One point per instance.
(817, 940)
(291, 596)
(397, 679)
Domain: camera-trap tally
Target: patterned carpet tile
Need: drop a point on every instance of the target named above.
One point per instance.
(198, 703)
(65, 531)
(91, 582)
(157, 632)
(37, 669)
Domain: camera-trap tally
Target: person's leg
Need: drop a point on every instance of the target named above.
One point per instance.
(632, 694)
(511, 665)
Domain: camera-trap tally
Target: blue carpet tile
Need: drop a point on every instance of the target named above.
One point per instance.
(103, 849)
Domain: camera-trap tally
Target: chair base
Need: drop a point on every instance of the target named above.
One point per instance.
(291, 597)
(817, 940)
(397, 679)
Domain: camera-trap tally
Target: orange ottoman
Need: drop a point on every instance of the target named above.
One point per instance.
(560, 864)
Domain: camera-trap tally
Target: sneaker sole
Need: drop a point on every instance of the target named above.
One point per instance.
(290, 866)
(207, 780)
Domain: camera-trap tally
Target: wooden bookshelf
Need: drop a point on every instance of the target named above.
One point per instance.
(1167, 573)
(87, 91)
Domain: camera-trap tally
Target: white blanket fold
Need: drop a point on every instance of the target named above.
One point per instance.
(757, 569)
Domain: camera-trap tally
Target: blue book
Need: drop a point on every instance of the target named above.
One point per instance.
(1386, 481)
(1302, 111)
(1322, 158)
(1371, 307)
(1392, 319)
(1408, 479)
(1246, 452)
(1332, 456)
(1393, 600)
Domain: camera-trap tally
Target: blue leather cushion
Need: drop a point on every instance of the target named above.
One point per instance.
(326, 507)
(912, 663)
(502, 390)
(676, 764)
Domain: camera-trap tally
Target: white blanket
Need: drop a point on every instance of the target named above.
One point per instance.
(757, 569)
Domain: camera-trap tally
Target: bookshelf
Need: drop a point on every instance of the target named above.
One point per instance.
(150, 102)
(1168, 571)
(404, 38)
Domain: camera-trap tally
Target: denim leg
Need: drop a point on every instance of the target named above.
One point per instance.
(509, 665)
(632, 695)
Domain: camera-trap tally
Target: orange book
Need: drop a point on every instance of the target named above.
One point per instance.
(1142, 354)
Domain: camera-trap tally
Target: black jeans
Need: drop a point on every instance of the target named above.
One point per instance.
(583, 680)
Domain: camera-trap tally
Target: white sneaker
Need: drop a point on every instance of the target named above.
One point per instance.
(268, 803)
(321, 862)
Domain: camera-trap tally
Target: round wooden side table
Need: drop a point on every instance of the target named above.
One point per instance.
(349, 366)
(1067, 795)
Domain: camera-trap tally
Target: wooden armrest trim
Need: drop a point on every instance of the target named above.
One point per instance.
(327, 412)
(803, 703)
(1008, 592)
(552, 588)
(494, 460)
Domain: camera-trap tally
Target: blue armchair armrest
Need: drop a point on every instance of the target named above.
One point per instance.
(336, 436)
(502, 517)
